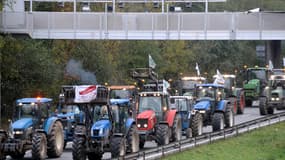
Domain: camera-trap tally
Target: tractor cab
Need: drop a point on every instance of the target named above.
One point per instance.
(277, 91)
(30, 111)
(207, 98)
(187, 85)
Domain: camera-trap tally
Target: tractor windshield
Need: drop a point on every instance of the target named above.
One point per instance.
(70, 109)
(120, 94)
(205, 92)
(181, 104)
(257, 74)
(29, 110)
(100, 112)
(150, 103)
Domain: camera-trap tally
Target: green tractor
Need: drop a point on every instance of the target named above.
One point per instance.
(256, 88)
(277, 90)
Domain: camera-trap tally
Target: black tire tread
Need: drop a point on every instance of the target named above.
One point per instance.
(53, 151)
(217, 121)
(38, 139)
(161, 133)
(195, 124)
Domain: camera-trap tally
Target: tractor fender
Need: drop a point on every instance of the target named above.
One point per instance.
(129, 123)
(49, 123)
(170, 115)
(222, 106)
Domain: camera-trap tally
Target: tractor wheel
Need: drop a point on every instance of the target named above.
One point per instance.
(39, 148)
(262, 106)
(162, 133)
(142, 142)
(218, 121)
(229, 118)
(55, 140)
(78, 148)
(2, 140)
(133, 139)
(18, 155)
(177, 129)
(241, 103)
(94, 156)
(270, 110)
(188, 133)
(197, 125)
(118, 146)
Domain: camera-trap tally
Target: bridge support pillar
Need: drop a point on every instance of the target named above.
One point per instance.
(273, 53)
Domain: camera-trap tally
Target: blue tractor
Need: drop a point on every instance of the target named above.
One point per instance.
(33, 128)
(103, 125)
(192, 120)
(215, 109)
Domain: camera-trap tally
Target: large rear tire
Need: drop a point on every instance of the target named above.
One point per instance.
(118, 146)
(133, 139)
(78, 148)
(197, 124)
(229, 119)
(218, 121)
(177, 129)
(262, 106)
(55, 141)
(39, 147)
(162, 134)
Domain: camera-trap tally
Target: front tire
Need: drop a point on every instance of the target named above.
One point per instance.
(18, 155)
(55, 141)
(118, 146)
(78, 148)
(162, 133)
(39, 148)
(177, 129)
(3, 138)
(218, 121)
(197, 124)
(262, 106)
(133, 139)
(230, 119)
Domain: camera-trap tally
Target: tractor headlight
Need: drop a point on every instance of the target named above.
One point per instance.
(145, 125)
(139, 125)
(164, 109)
(101, 131)
(18, 132)
(277, 99)
(273, 99)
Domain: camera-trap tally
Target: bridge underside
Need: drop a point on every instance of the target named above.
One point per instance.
(145, 26)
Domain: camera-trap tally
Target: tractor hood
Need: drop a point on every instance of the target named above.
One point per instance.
(203, 105)
(146, 114)
(22, 123)
(278, 91)
(101, 128)
(66, 115)
(252, 84)
(120, 101)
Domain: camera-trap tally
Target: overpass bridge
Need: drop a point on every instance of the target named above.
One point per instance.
(145, 25)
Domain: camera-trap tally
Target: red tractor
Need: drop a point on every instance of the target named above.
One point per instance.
(155, 120)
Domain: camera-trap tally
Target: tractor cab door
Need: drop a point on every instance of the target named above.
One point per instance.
(183, 108)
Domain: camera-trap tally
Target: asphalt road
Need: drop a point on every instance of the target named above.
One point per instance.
(249, 114)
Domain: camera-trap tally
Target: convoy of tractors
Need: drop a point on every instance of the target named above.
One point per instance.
(121, 118)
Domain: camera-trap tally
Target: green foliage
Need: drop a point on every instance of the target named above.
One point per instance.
(264, 144)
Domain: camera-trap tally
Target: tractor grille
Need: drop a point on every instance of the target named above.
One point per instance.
(142, 122)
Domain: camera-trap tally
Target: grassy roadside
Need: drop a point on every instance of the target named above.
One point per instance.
(263, 144)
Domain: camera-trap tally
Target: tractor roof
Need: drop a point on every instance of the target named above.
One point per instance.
(33, 100)
(153, 93)
(210, 85)
(127, 87)
(181, 97)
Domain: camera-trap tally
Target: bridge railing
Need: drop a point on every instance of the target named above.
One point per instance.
(94, 25)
